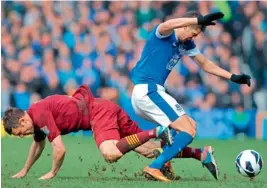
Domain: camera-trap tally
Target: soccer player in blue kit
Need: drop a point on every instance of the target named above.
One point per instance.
(163, 49)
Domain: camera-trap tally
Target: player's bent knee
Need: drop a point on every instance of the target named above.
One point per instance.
(192, 130)
(110, 151)
(111, 158)
(194, 127)
(193, 122)
(185, 124)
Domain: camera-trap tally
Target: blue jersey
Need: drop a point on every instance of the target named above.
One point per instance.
(159, 56)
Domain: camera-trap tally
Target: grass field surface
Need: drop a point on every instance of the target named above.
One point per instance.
(85, 167)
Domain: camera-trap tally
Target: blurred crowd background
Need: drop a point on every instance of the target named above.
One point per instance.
(53, 47)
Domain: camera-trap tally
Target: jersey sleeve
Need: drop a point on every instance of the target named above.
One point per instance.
(190, 48)
(48, 126)
(160, 36)
(38, 136)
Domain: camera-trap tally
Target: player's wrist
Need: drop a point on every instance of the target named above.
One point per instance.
(199, 20)
(54, 172)
(234, 78)
(195, 21)
(26, 169)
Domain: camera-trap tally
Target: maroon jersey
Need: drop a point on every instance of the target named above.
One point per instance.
(60, 114)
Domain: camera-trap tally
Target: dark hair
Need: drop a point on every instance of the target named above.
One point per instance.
(194, 14)
(11, 118)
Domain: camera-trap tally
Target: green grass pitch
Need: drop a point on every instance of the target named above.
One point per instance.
(85, 167)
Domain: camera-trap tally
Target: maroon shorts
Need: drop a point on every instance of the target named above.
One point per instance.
(111, 122)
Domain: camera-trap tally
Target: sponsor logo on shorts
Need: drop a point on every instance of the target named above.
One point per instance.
(179, 108)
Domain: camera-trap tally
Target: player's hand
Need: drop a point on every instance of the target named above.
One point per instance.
(209, 18)
(20, 174)
(241, 79)
(48, 176)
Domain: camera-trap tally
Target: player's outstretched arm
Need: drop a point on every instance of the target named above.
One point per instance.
(34, 154)
(167, 27)
(58, 157)
(212, 68)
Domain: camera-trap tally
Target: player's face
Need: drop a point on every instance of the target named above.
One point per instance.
(190, 33)
(25, 127)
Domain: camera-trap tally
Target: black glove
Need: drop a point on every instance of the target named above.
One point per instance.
(241, 79)
(209, 18)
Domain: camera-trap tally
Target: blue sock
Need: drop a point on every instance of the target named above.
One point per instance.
(173, 132)
(181, 140)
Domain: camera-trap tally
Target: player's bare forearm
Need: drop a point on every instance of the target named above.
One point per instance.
(167, 27)
(58, 158)
(34, 154)
(216, 70)
(58, 154)
(211, 67)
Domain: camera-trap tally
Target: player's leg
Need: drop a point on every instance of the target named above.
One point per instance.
(205, 155)
(152, 149)
(105, 129)
(147, 149)
(113, 148)
(186, 134)
(132, 135)
(132, 141)
(129, 127)
(109, 151)
(106, 141)
(188, 152)
(111, 124)
(151, 101)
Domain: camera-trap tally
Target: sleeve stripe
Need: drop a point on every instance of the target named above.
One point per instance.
(193, 52)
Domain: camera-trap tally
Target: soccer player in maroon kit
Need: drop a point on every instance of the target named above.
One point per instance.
(114, 132)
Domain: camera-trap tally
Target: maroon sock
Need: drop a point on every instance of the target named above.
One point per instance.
(162, 143)
(131, 142)
(190, 153)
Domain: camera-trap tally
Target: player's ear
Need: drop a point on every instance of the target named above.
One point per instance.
(22, 121)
